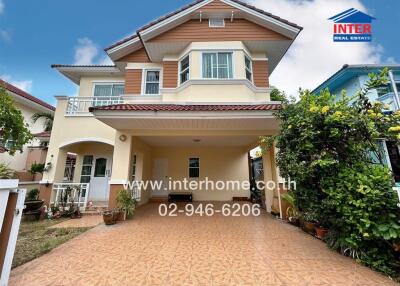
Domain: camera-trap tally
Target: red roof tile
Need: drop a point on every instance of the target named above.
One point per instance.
(185, 107)
(43, 134)
(24, 94)
(191, 5)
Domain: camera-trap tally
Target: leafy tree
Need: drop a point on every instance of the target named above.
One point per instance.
(14, 131)
(48, 119)
(328, 145)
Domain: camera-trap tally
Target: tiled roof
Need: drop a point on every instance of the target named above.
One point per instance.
(24, 94)
(43, 134)
(82, 66)
(190, 5)
(186, 107)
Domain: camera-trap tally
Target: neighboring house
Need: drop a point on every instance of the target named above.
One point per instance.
(188, 97)
(352, 78)
(36, 150)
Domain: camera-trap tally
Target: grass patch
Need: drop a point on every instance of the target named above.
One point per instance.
(36, 238)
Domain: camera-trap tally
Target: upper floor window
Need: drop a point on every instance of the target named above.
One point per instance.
(217, 65)
(249, 68)
(152, 82)
(184, 69)
(216, 22)
(383, 90)
(109, 89)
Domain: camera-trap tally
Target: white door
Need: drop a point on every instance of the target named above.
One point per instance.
(101, 173)
(160, 174)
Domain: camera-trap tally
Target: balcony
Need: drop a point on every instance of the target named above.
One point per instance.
(79, 105)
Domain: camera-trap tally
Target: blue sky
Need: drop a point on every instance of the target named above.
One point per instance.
(36, 34)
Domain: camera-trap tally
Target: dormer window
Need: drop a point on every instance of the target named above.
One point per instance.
(249, 68)
(216, 22)
(184, 69)
(217, 65)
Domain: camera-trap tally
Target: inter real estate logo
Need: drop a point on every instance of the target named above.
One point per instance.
(352, 26)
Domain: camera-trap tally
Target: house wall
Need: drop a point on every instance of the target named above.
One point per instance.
(18, 161)
(237, 30)
(86, 87)
(216, 163)
(71, 130)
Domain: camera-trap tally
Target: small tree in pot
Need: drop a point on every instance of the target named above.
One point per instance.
(126, 203)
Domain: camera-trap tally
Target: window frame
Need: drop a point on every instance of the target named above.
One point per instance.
(87, 165)
(111, 83)
(216, 53)
(182, 71)
(144, 81)
(189, 167)
(246, 69)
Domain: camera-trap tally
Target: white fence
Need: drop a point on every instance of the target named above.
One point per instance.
(67, 193)
(11, 206)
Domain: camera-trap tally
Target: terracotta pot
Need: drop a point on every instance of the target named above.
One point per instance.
(108, 218)
(309, 227)
(321, 232)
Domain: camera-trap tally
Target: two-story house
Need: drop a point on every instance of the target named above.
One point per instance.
(187, 97)
(354, 77)
(36, 150)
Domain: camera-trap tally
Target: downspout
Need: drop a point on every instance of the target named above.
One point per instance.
(395, 91)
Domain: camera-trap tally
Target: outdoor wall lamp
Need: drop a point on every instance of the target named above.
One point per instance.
(122, 138)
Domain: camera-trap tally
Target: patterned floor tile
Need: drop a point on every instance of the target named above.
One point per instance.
(154, 250)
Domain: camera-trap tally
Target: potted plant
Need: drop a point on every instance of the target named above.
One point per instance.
(310, 222)
(126, 203)
(108, 217)
(292, 212)
(37, 170)
(33, 205)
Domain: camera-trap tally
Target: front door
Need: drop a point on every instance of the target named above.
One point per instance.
(100, 174)
(160, 175)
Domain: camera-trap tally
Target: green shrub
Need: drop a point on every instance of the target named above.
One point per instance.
(32, 195)
(126, 202)
(363, 215)
(37, 168)
(6, 172)
(325, 145)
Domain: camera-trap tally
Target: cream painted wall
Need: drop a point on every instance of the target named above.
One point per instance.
(216, 93)
(216, 163)
(144, 164)
(86, 86)
(69, 130)
(18, 161)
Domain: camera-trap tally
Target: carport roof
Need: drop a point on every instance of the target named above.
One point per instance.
(188, 107)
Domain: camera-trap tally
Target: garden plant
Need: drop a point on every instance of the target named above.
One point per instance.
(330, 145)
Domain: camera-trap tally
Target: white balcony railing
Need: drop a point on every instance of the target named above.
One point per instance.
(65, 194)
(80, 105)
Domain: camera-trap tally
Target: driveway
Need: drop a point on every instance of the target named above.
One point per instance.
(217, 250)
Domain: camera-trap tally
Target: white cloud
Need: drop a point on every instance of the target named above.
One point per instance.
(5, 36)
(88, 53)
(313, 56)
(25, 85)
(1, 6)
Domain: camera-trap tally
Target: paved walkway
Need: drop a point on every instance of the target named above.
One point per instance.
(154, 250)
